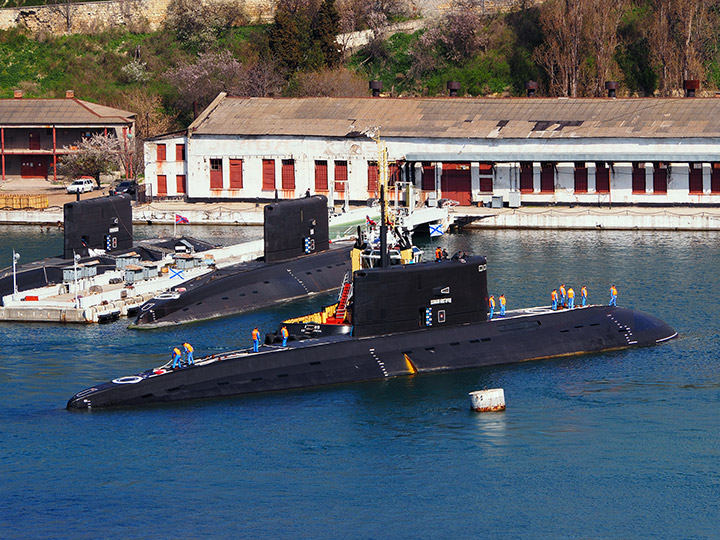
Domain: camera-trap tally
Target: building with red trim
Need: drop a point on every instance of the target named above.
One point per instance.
(35, 132)
(527, 150)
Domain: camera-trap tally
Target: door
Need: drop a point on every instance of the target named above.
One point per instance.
(33, 167)
(34, 140)
(455, 183)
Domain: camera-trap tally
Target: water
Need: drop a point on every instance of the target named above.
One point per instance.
(618, 445)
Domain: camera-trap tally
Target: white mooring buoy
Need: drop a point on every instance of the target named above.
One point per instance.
(492, 400)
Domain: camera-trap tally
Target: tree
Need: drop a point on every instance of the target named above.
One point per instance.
(339, 82)
(603, 23)
(327, 28)
(96, 155)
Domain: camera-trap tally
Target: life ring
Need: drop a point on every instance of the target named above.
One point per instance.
(131, 379)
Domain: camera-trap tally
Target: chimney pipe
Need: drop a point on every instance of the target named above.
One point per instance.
(69, 94)
(18, 94)
(691, 86)
(453, 86)
(531, 87)
(611, 87)
(376, 87)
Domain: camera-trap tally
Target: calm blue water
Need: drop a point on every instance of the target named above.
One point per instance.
(613, 446)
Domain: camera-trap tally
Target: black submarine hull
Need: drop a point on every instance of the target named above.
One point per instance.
(522, 336)
(246, 287)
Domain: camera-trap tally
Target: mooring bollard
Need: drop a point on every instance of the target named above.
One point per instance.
(488, 400)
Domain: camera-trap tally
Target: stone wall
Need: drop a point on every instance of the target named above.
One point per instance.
(91, 17)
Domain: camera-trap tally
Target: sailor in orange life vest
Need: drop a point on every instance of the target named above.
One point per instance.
(502, 305)
(176, 356)
(571, 298)
(285, 334)
(438, 254)
(563, 297)
(256, 339)
(554, 299)
(613, 295)
(491, 304)
(189, 354)
(583, 295)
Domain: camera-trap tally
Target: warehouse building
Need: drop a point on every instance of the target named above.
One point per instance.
(468, 150)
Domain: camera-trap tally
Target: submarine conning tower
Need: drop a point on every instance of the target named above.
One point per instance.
(296, 227)
(102, 223)
(416, 296)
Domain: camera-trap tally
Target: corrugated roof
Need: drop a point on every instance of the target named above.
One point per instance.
(68, 111)
(499, 118)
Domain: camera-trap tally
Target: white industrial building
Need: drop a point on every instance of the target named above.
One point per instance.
(525, 150)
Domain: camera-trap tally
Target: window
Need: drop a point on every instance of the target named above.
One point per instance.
(162, 185)
(180, 179)
(179, 152)
(581, 178)
(321, 175)
(34, 140)
(288, 174)
(428, 176)
(660, 178)
(393, 174)
(486, 177)
(216, 174)
(341, 176)
(715, 178)
(638, 178)
(602, 178)
(547, 178)
(268, 174)
(696, 178)
(526, 177)
(161, 152)
(373, 177)
(236, 179)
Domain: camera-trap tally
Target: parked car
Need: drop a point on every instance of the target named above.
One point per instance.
(81, 185)
(126, 186)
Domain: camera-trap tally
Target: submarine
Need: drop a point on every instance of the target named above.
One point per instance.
(389, 321)
(298, 260)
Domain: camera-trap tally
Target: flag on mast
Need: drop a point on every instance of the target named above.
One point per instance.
(179, 220)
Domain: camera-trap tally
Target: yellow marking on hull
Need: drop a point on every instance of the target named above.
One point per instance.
(411, 367)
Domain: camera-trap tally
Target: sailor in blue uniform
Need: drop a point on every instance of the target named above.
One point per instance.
(285, 334)
(189, 360)
(176, 356)
(256, 339)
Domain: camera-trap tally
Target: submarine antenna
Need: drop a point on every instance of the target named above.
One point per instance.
(383, 231)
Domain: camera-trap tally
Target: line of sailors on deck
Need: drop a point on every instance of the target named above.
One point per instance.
(184, 357)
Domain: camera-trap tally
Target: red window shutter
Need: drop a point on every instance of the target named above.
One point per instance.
(581, 178)
(268, 174)
(526, 178)
(321, 175)
(341, 176)
(696, 178)
(486, 177)
(288, 174)
(216, 174)
(547, 178)
(638, 178)
(602, 178)
(236, 179)
(428, 176)
(393, 173)
(715, 178)
(179, 152)
(180, 179)
(372, 177)
(161, 152)
(659, 178)
(162, 185)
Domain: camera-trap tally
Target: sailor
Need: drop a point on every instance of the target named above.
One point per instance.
(583, 295)
(256, 339)
(444, 254)
(491, 304)
(307, 193)
(438, 254)
(613, 295)
(571, 298)
(189, 360)
(502, 305)
(285, 334)
(563, 297)
(554, 299)
(176, 356)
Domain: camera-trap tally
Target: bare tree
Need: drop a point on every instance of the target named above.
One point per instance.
(64, 9)
(340, 82)
(603, 21)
